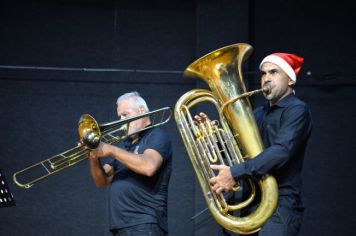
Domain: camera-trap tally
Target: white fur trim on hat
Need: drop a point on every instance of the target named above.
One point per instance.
(282, 64)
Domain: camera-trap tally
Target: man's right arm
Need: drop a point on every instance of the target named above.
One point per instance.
(102, 175)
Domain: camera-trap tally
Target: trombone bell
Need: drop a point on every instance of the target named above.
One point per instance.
(90, 133)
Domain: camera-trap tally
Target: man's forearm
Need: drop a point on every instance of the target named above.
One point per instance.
(97, 172)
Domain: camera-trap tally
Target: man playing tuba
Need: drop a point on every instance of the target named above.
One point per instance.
(285, 125)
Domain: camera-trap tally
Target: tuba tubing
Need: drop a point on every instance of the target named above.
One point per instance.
(221, 70)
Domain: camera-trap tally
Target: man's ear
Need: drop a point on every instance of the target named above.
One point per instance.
(291, 83)
(142, 110)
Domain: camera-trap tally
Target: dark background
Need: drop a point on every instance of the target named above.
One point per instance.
(61, 59)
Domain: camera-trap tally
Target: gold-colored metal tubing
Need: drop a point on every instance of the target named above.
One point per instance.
(264, 89)
(70, 157)
(222, 71)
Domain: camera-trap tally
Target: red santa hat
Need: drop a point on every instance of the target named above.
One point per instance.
(289, 63)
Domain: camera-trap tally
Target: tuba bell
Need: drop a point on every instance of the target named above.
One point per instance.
(235, 141)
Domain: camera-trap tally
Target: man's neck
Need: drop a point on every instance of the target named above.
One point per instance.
(271, 103)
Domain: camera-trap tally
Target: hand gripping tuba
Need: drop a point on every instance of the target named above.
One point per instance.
(236, 141)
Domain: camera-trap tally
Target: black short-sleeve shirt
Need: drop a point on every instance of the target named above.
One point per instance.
(136, 199)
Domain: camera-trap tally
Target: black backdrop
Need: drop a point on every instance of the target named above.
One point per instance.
(61, 59)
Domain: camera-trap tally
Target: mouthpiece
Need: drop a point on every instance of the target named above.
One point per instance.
(267, 88)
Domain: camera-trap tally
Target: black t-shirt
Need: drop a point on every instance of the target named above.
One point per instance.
(136, 199)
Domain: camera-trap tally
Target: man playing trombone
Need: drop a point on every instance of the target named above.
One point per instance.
(137, 173)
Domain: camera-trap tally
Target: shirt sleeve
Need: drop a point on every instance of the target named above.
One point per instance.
(160, 142)
(112, 161)
(294, 130)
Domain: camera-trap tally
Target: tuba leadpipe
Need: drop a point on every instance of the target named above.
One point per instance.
(238, 139)
(90, 133)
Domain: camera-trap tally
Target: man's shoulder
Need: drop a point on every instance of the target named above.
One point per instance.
(298, 104)
(159, 133)
(297, 108)
(295, 101)
(158, 139)
(158, 130)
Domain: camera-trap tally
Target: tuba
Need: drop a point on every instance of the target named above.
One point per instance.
(235, 141)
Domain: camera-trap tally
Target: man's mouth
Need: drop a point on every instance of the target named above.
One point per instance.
(267, 88)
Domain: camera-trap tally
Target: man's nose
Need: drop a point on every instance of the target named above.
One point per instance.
(267, 78)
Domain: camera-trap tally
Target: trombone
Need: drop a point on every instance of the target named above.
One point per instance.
(90, 133)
